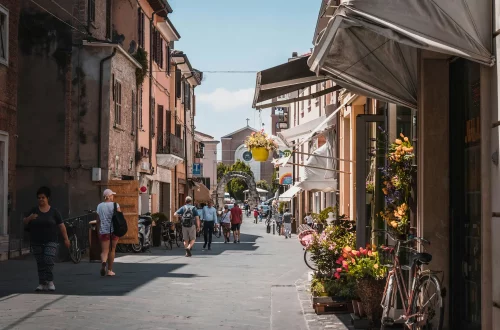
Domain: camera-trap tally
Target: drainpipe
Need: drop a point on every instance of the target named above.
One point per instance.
(151, 110)
(185, 138)
(99, 122)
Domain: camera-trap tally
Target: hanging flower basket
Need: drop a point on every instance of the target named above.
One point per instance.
(260, 154)
(260, 144)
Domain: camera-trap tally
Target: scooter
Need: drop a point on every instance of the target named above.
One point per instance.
(145, 231)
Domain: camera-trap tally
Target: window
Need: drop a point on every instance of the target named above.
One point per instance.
(178, 84)
(157, 48)
(169, 59)
(140, 28)
(134, 111)
(118, 102)
(178, 130)
(91, 10)
(4, 36)
(153, 114)
(187, 95)
(139, 105)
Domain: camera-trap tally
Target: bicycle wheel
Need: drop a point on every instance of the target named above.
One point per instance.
(428, 305)
(121, 248)
(74, 251)
(178, 238)
(137, 247)
(387, 300)
(308, 260)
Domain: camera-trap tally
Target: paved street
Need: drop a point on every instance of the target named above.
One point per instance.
(251, 285)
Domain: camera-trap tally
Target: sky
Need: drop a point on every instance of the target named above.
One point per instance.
(238, 35)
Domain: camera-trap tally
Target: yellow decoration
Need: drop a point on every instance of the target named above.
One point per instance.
(260, 154)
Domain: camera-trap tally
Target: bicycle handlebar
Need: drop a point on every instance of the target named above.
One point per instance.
(414, 238)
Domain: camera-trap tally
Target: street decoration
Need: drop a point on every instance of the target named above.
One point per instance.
(260, 144)
(286, 178)
(397, 179)
(247, 156)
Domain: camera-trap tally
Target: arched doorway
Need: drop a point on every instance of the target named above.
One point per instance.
(253, 199)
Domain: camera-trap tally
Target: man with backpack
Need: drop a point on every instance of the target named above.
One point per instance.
(190, 221)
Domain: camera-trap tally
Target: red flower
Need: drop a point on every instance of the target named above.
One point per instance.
(336, 275)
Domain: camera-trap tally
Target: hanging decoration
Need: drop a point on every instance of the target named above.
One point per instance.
(260, 144)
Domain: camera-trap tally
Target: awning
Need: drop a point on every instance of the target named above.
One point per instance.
(259, 190)
(283, 79)
(201, 193)
(369, 46)
(290, 193)
(301, 130)
(314, 175)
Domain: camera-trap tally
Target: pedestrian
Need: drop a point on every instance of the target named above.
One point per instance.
(256, 214)
(209, 215)
(261, 214)
(309, 219)
(190, 224)
(105, 212)
(44, 222)
(287, 220)
(226, 223)
(236, 220)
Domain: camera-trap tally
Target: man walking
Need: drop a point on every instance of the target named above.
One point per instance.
(190, 221)
(236, 219)
(209, 216)
(287, 220)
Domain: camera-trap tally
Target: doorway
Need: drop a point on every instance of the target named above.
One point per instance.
(465, 195)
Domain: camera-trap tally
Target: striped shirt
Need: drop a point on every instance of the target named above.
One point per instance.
(105, 211)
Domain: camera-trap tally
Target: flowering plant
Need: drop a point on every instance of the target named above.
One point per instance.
(370, 187)
(397, 180)
(260, 140)
(359, 264)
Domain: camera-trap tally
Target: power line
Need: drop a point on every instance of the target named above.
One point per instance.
(64, 9)
(56, 17)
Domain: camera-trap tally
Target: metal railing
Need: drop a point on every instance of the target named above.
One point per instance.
(170, 144)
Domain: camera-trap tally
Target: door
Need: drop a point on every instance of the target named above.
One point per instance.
(465, 195)
(165, 198)
(127, 196)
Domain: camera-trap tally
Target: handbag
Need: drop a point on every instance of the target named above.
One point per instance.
(119, 223)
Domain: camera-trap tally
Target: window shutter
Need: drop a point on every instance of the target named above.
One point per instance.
(178, 83)
(169, 59)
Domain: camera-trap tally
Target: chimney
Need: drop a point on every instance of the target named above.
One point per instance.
(295, 54)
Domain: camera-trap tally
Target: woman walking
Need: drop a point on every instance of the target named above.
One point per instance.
(105, 212)
(226, 223)
(44, 222)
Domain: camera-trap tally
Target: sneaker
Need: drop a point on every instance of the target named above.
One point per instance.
(51, 286)
(188, 252)
(239, 241)
(204, 245)
(41, 287)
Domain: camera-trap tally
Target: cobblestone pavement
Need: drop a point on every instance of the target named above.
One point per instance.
(257, 284)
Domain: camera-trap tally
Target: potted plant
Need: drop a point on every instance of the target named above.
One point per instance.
(364, 267)
(260, 144)
(370, 188)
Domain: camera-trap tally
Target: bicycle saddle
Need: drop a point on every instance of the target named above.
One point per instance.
(422, 258)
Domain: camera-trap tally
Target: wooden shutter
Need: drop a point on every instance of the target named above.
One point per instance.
(169, 59)
(178, 83)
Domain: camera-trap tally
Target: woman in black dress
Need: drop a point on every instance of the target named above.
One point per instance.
(44, 223)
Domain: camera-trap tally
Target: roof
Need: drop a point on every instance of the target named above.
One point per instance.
(161, 7)
(240, 130)
(188, 71)
(202, 137)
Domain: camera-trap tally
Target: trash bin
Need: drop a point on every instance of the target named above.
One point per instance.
(156, 235)
(94, 244)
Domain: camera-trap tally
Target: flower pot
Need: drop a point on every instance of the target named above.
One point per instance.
(370, 292)
(260, 154)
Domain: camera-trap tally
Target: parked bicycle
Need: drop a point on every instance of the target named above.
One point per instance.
(76, 249)
(423, 305)
(305, 237)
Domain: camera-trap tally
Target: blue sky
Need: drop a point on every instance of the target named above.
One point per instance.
(238, 35)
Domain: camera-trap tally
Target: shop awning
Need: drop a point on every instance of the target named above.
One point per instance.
(201, 193)
(283, 79)
(315, 174)
(290, 193)
(301, 130)
(370, 46)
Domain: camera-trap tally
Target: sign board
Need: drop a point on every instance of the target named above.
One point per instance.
(197, 169)
(247, 156)
(285, 175)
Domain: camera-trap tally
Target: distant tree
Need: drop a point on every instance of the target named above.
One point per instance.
(221, 170)
(236, 186)
(262, 184)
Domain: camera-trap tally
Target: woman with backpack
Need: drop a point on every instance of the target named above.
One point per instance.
(105, 212)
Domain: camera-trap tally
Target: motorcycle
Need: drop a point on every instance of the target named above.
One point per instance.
(145, 231)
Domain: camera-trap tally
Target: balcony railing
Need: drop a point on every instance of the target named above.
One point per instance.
(169, 144)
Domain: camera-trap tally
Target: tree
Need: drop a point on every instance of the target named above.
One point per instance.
(262, 184)
(221, 170)
(236, 186)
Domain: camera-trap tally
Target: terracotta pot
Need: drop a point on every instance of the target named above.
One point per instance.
(260, 154)
(370, 292)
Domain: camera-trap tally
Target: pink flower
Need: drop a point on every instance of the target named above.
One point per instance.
(337, 275)
(339, 260)
(339, 270)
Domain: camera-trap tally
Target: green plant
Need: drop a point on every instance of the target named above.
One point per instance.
(359, 264)
(370, 187)
(260, 140)
(142, 57)
(281, 207)
(158, 218)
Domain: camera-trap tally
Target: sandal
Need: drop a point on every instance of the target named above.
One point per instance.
(110, 273)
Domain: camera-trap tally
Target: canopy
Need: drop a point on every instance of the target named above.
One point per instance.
(259, 190)
(369, 46)
(283, 79)
(301, 130)
(317, 178)
(290, 193)
(201, 193)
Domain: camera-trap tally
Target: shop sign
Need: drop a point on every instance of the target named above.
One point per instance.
(247, 156)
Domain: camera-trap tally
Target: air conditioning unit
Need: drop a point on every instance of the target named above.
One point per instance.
(145, 166)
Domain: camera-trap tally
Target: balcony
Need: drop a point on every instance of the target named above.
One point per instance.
(170, 150)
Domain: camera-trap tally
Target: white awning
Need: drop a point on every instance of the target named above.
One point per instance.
(259, 190)
(370, 46)
(301, 130)
(290, 193)
(315, 174)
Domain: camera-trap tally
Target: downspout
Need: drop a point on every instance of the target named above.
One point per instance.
(151, 110)
(185, 137)
(99, 121)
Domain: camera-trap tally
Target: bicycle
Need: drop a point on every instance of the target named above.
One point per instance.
(168, 234)
(305, 238)
(75, 251)
(423, 305)
(179, 239)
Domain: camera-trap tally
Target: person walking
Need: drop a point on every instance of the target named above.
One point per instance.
(226, 223)
(209, 216)
(236, 220)
(108, 240)
(287, 221)
(256, 214)
(190, 220)
(44, 222)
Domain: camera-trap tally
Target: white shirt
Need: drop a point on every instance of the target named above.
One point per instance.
(226, 217)
(209, 214)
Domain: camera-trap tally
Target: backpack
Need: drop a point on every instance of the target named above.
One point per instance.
(188, 217)
(119, 223)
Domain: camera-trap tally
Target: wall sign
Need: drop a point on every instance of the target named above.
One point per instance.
(197, 169)
(247, 156)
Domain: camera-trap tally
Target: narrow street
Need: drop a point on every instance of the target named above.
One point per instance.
(251, 285)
